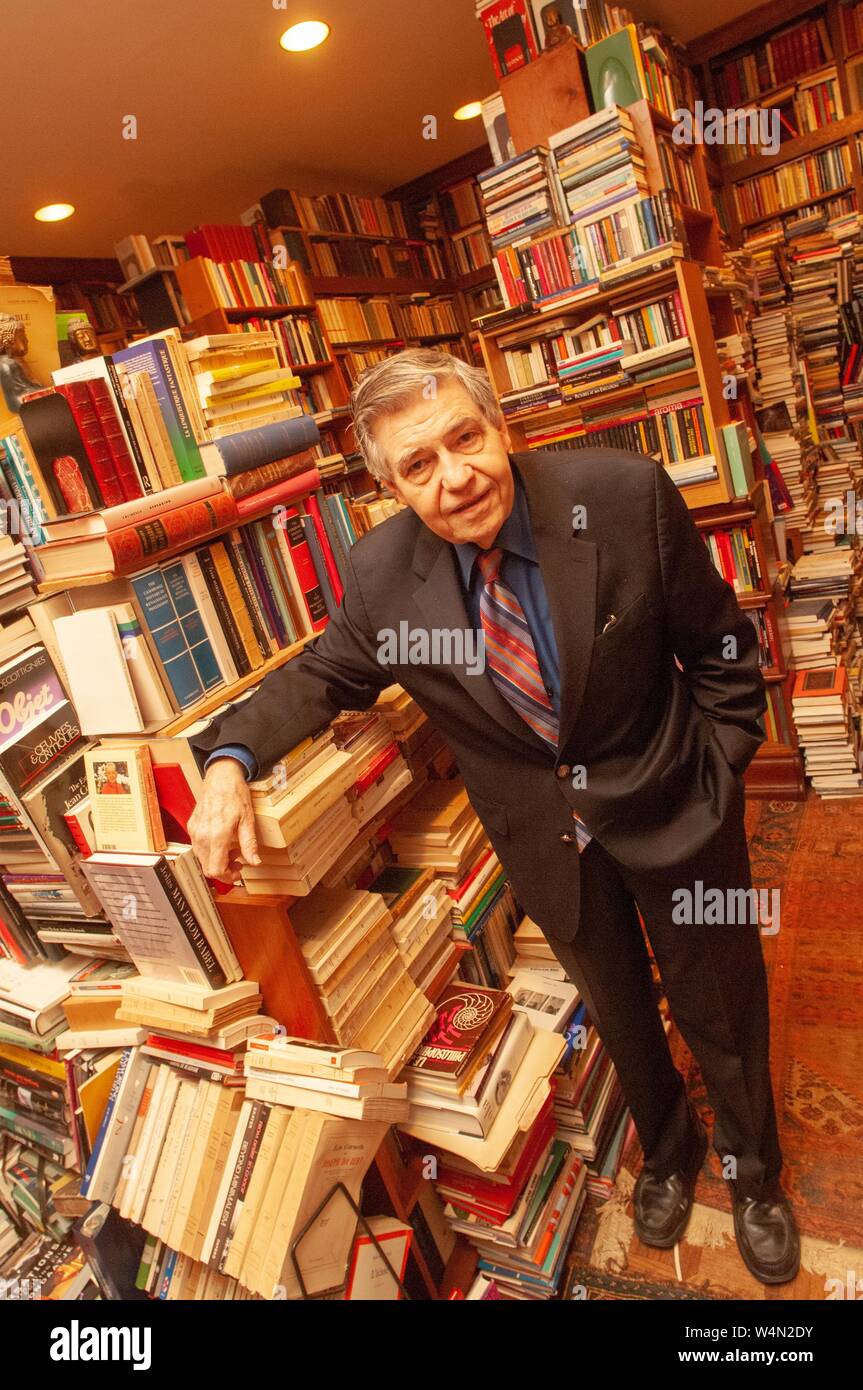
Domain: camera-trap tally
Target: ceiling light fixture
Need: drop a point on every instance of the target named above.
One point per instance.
(54, 212)
(301, 37)
(468, 112)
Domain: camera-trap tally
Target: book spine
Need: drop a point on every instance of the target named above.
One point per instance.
(234, 596)
(168, 637)
(103, 405)
(137, 510)
(290, 534)
(249, 540)
(128, 428)
(288, 491)
(106, 1122)
(95, 445)
(27, 497)
(319, 564)
(133, 546)
(190, 463)
(259, 618)
(189, 924)
(223, 612)
(278, 584)
(246, 1157)
(313, 508)
(194, 630)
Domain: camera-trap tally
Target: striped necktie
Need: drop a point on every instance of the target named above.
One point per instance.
(512, 661)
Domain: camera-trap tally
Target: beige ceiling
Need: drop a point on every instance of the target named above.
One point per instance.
(223, 114)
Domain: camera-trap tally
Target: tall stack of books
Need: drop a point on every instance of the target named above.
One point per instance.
(512, 1188)
(602, 172)
(522, 197)
(363, 983)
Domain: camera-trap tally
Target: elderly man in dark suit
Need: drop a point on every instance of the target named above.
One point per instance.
(602, 742)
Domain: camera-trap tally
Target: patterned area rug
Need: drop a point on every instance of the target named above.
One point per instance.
(811, 851)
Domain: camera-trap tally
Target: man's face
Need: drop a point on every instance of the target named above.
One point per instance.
(449, 465)
(21, 346)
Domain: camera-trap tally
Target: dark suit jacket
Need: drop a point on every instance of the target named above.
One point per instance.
(663, 748)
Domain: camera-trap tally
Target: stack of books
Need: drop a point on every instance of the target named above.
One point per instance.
(221, 1183)
(619, 225)
(240, 380)
(522, 197)
(809, 623)
(533, 953)
(588, 1103)
(92, 1006)
(826, 729)
(381, 773)
(439, 828)
(421, 912)
(484, 915)
(366, 991)
(17, 585)
(458, 1076)
(282, 1070)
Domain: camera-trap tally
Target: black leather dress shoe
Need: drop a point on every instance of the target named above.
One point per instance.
(767, 1236)
(662, 1206)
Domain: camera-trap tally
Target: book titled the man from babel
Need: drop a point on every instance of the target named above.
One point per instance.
(153, 918)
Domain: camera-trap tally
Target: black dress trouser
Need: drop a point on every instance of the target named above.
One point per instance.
(716, 986)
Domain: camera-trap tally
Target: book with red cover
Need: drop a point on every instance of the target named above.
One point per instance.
(509, 31)
(288, 490)
(465, 1014)
(112, 430)
(821, 685)
(312, 507)
(174, 530)
(501, 1191)
(176, 800)
(304, 569)
(376, 768)
(101, 461)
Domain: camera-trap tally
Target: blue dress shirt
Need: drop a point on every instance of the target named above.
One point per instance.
(520, 571)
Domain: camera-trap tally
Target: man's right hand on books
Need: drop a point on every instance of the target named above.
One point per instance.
(224, 821)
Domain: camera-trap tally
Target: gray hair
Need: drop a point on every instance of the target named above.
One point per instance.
(388, 386)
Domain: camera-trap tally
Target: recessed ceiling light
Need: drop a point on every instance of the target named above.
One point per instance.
(468, 112)
(301, 37)
(54, 212)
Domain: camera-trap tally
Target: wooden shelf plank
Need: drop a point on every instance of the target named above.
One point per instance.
(837, 133)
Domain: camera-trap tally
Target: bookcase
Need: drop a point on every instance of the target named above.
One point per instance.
(808, 45)
(549, 95)
(794, 209)
(446, 201)
(91, 285)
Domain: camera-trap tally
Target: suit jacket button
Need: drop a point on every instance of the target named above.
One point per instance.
(566, 838)
(564, 770)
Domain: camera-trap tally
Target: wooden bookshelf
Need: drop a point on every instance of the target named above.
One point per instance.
(91, 285)
(707, 53)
